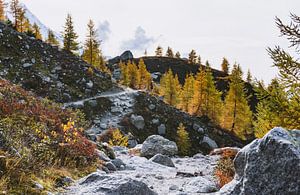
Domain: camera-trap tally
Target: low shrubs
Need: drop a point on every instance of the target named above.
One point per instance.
(36, 134)
(225, 168)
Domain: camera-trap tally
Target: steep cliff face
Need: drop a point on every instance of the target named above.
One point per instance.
(46, 70)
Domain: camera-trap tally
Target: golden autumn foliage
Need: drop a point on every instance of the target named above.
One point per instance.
(118, 139)
(136, 77)
(237, 116)
(183, 140)
(170, 88)
(187, 95)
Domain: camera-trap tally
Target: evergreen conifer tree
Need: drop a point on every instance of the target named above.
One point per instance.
(70, 36)
(271, 108)
(237, 116)
(187, 94)
(279, 105)
(52, 39)
(170, 88)
(170, 53)
(200, 92)
(159, 51)
(2, 11)
(92, 53)
(225, 66)
(36, 31)
(249, 77)
(133, 75)
(192, 57)
(177, 55)
(124, 73)
(183, 140)
(16, 11)
(145, 76)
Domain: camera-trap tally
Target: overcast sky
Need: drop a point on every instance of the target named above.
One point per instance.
(237, 29)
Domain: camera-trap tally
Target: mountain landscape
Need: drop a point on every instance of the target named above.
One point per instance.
(74, 122)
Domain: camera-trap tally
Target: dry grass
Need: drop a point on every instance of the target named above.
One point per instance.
(225, 168)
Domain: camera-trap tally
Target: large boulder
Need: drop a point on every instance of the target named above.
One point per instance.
(156, 144)
(163, 160)
(270, 165)
(101, 183)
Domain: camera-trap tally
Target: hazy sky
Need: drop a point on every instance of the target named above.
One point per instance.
(237, 29)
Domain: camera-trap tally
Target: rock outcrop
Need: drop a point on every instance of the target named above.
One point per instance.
(270, 165)
(157, 144)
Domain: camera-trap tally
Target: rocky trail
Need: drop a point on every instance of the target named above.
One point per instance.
(132, 174)
(122, 101)
(189, 175)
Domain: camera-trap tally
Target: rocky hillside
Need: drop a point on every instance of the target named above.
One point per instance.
(47, 70)
(142, 115)
(157, 66)
(160, 118)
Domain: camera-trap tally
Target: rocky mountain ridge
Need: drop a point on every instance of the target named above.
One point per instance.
(46, 70)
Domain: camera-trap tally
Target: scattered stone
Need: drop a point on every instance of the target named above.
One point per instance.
(161, 129)
(102, 156)
(163, 160)
(211, 143)
(151, 106)
(173, 187)
(27, 65)
(38, 186)
(156, 144)
(198, 128)
(132, 143)
(92, 103)
(63, 181)
(103, 126)
(268, 166)
(110, 166)
(118, 163)
(137, 121)
(155, 121)
(200, 185)
(185, 174)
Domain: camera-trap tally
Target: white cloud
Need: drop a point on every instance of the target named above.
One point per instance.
(104, 31)
(139, 42)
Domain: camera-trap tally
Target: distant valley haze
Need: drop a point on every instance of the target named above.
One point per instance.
(239, 30)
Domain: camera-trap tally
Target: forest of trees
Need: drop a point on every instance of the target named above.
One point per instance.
(135, 76)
